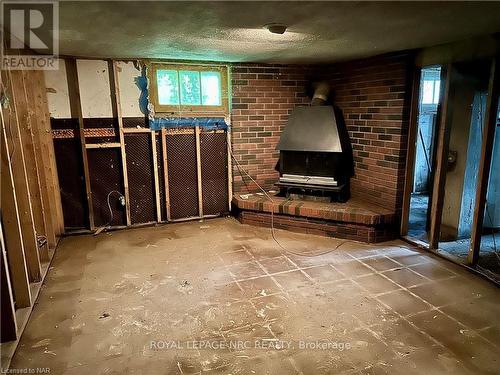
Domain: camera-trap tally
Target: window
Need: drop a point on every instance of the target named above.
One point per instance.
(189, 88)
(430, 88)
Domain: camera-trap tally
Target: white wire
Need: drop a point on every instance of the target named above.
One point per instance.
(273, 234)
(109, 205)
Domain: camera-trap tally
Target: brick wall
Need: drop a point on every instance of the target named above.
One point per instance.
(262, 98)
(374, 96)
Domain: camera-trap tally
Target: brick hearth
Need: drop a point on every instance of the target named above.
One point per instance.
(354, 220)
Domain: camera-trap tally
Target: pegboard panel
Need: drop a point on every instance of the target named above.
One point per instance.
(100, 122)
(135, 122)
(214, 179)
(100, 130)
(140, 177)
(63, 123)
(182, 173)
(71, 182)
(161, 176)
(105, 176)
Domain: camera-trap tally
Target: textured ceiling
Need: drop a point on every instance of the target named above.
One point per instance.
(232, 31)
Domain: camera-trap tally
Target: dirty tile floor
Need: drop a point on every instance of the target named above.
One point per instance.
(218, 297)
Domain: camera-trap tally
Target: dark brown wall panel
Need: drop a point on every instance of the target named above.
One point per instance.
(71, 182)
(105, 176)
(213, 153)
(182, 175)
(140, 178)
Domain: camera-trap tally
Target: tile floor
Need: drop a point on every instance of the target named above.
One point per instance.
(219, 297)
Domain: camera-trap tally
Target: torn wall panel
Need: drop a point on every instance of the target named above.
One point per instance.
(57, 91)
(130, 82)
(95, 92)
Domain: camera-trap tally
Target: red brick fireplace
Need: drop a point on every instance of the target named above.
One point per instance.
(373, 96)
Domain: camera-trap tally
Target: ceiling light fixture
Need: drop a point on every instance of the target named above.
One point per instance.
(276, 28)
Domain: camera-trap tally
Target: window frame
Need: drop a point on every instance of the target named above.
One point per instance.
(182, 110)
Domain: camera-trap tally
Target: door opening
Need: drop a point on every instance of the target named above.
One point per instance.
(429, 97)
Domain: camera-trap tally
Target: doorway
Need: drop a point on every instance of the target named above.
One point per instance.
(424, 154)
(466, 121)
(451, 200)
(489, 255)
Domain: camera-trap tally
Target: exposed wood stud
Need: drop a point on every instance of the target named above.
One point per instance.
(410, 153)
(117, 108)
(155, 176)
(76, 112)
(33, 166)
(179, 131)
(165, 171)
(136, 130)
(43, 136)
(445, 116)
(198, 168)
(41, 150)
(50, 154)
(13, 233)
(103, 145)
(490, 124)
(15, 148)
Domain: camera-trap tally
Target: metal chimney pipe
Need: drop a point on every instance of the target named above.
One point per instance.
(321, 92)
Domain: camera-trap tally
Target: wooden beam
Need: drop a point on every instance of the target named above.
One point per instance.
(229, 170)
(117, 111)
(13, 233)
(155, 176)
(41, 150)
(165, 171)
(16, 152)
(103, 145)
(411, 148)
(136, 130)
(488, 135)
(32, 166)
(180, 130)
(51, 156)
(198, 168)
(8, 328)
(76, 112)
(445, 113)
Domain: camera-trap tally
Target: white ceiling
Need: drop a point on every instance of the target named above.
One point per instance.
(233, 31)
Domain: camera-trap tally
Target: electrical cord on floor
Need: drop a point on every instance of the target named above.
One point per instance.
(273, 234)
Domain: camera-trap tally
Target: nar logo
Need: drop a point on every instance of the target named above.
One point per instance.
(31, 39)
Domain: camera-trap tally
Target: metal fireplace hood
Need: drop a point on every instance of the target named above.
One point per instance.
(312, 129)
